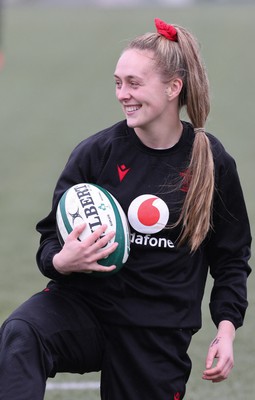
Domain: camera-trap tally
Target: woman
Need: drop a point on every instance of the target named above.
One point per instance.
(136, 325)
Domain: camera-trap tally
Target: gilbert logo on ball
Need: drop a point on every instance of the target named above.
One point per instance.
(90, 203)
(148, 214)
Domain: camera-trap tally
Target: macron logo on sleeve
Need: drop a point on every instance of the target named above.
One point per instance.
(122, 171)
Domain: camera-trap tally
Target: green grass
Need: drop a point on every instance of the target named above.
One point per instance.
(57, 87)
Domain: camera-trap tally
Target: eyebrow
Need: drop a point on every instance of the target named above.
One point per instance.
(129, 77)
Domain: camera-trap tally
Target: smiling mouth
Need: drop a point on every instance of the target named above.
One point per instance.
(130, 109)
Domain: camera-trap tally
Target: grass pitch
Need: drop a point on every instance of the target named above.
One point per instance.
(57, 88)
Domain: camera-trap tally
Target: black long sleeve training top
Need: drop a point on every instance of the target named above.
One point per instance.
(162, 284)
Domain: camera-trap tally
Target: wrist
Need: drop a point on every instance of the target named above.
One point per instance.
(226, 328)
(56, 261)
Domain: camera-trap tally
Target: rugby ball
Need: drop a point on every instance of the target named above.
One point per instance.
(90, 203)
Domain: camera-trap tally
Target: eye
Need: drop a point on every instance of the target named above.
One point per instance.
(118, 84)
(134, 84)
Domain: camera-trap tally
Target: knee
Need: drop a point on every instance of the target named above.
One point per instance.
(20, 345)
(23, 363)
(16, 334)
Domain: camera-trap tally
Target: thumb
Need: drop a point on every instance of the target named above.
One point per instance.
(210, 358)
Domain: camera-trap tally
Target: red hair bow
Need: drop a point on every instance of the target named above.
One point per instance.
(166, 30)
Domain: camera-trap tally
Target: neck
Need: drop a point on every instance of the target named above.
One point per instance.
(161, 138)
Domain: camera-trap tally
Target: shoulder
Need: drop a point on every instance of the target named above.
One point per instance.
(105, 137)
(224, 163)
(222, 158)
(225, 168)
(220, 154)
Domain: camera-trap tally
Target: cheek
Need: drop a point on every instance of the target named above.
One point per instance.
(157, 103)
(156, 94)
(117, 94)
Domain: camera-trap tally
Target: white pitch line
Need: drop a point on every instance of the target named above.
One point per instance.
(72, 385)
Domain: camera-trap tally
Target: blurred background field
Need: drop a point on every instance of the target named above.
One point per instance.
(57, 87)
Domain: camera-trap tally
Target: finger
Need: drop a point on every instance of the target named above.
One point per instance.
(98, 234)
(211, 374)
(100, 268)
(103, 269)
(93, 255)
(103, 241)
(215, 378)
(76, 232)
(101, 247)
(218, 373)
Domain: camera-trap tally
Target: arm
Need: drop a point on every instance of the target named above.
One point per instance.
(228, 252)
(57, 262)
(228, 247)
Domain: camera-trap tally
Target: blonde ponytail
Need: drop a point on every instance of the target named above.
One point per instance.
(197, 208)
(180, 57)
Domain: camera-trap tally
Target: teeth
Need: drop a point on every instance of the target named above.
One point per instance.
(132, 108)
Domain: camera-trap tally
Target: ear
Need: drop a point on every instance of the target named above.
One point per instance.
(174, 88)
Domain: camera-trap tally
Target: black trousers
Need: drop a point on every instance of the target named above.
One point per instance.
(55, 331)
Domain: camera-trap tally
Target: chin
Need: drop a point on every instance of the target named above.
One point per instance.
(132, 124)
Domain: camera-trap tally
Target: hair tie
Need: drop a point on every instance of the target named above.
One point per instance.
(166, 30)
(196, 130)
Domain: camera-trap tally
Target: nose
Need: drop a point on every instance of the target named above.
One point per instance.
(123, 93)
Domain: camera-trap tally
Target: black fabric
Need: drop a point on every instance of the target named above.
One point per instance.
(51, 332)
(161, 284)
(54, 331)
(135, 325)
(23, 367)
(144, 363)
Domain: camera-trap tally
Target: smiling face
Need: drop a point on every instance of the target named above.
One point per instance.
(141, 91)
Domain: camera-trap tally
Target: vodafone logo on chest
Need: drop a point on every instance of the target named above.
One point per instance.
(148, 214)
